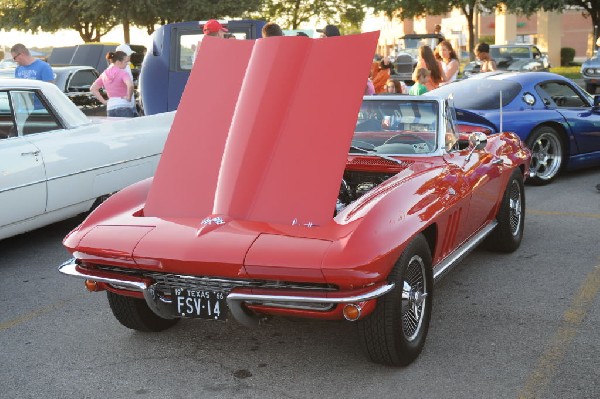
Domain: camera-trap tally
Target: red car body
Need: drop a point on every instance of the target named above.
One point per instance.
(241, 210)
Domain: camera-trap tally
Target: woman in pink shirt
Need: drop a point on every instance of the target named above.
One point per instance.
(117, 84)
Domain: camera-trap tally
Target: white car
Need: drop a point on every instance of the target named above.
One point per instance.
(55, 162)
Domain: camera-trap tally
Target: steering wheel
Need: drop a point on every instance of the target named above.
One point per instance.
(396, 139)
(559, 100)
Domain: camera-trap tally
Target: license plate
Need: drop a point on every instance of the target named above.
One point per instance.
(200, 304)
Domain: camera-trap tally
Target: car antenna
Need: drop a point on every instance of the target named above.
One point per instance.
(501, 111)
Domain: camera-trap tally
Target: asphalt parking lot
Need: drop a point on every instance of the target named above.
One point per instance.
(503, 326)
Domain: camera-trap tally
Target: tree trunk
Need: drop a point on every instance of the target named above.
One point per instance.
(126, 33)
(469, 15)
(295, 19)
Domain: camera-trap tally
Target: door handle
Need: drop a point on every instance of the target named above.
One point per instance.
(34, 153)
(498, 161)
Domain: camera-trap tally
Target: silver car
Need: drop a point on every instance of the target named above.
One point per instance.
(590, 71)
(513, 58)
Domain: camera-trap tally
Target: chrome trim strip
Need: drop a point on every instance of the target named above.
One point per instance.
(42, 214)
(69, 268)
(455, 257)
(22, 186)
(234, 300)
(104, 166)
(162, 306)
(79, 172)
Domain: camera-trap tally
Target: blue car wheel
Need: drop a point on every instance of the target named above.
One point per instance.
(546, 155)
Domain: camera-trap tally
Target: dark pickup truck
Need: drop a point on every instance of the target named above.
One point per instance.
(93, 55)
(168, 63)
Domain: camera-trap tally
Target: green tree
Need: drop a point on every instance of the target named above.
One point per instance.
(87, 17)
(470, 8)
(92, 19)
(290, 14)
(149, 13)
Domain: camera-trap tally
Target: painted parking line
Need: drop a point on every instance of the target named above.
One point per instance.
(572, 318)
(573, 214)
(31, 315)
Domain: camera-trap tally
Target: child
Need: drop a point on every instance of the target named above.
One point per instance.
(420, 76)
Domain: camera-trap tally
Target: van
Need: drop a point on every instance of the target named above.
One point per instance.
(167, 65)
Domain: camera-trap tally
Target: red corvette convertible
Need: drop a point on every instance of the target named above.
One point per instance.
(246, 218)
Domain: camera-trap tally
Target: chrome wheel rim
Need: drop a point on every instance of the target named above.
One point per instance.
(546, 156)
(414, 297)
(515, 204)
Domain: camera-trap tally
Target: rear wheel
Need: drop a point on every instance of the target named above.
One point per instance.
(546, 155)
(508, 234)
(134, 313)
(394, 334)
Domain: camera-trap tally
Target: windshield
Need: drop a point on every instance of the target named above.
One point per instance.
(396, 127)
(510, 52)
(479, 94)
(415, 43)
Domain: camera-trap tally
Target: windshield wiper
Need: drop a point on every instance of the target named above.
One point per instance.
(375, 154)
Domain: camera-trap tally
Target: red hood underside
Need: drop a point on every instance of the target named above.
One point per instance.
(263, 138)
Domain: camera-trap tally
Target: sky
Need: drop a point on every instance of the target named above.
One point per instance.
(66, 38)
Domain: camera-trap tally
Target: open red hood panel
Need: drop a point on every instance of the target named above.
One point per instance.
(186, 177)
(287, 141)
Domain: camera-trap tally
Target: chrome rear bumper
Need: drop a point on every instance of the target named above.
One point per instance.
(163, 306)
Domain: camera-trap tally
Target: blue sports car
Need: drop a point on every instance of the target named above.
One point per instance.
(557, 120)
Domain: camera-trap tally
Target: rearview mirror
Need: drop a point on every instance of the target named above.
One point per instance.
(477, 141)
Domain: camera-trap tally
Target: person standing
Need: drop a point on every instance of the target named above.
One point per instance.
(118, 86)
(370, 89)
(427, 60)
(381, 72)
(128, 51)
(271, 29)
(482, 52)
(212, 27)
(30, 67)
(329, 31)
(437, 30)
(448, 60)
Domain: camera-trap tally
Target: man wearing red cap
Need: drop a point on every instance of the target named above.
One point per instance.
(212, 27)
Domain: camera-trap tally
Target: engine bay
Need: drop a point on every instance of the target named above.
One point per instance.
(355, 184)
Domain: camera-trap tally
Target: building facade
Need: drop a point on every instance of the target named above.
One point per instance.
(549, 31)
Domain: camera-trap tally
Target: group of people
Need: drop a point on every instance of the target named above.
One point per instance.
(272, 29)
(434, 68)
(117, 79)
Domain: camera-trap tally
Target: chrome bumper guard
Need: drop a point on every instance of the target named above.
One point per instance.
(163, 306)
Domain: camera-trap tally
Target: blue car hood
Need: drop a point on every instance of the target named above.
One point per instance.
(462, 115)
